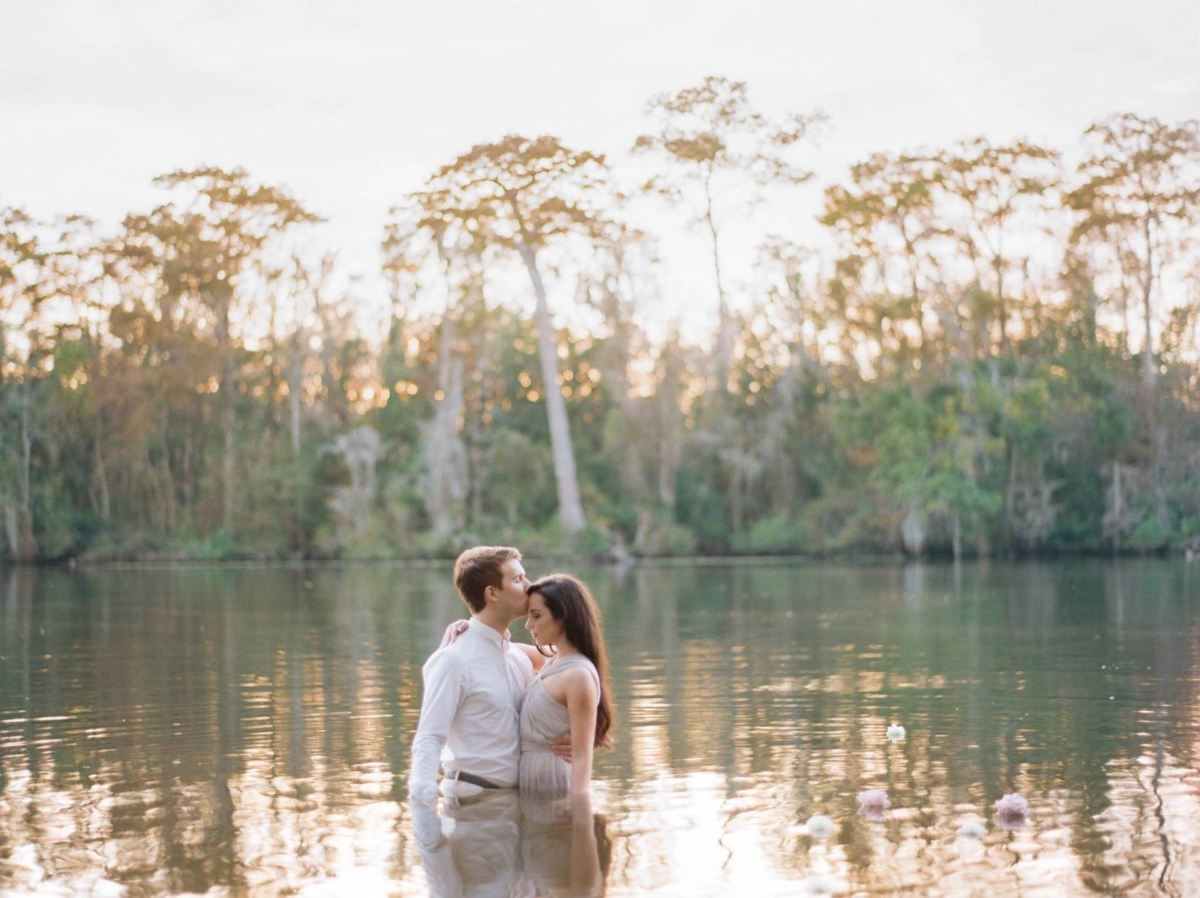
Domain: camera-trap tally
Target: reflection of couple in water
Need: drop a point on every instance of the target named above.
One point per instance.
(498, 715)
(513, 843)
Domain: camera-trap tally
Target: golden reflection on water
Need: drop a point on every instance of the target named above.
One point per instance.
(237, 732)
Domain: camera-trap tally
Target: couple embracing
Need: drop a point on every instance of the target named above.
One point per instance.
(496, 714)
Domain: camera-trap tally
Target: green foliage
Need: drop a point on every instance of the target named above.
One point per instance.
(660, 536)
(699, 508)
(934, 388)
(774, 535)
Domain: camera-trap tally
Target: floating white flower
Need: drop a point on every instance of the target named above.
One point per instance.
(895, 733)
(1012, 810)
(972, 829)
(820, 827)
(821, 884)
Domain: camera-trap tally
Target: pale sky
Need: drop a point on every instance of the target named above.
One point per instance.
(352, 104)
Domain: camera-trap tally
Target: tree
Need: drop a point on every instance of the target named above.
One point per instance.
(1140, 194)
(529, 193)
(204, 252)
(924, 459)
(995, 184)
(611, 288)
(887, 214)
(424, 231)
(24, 264)
(710, 131)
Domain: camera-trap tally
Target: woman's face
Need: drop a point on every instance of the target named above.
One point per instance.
(541, 625)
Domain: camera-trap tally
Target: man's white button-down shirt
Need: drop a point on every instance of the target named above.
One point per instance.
(470, 712)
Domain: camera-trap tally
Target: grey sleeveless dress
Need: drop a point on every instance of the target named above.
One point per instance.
(543, 721)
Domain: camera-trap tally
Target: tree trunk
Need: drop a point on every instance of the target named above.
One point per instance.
(1148, 366)
(735, 499)
(912, 531)
(569, 503)
(1125, 317)
(1002, 309)
(295, 376)
(669, 424)
(12, 530)
(910, 253)
(19, 515)
(723, 358)
(227, 424)
(475, 439)
(476, 462)
(228, 411)
(1117, 494)
(445, 455)
(1161, 511)
(668, 454)
(18, 528)
(102, 479)
(26, 450)
(187, 486)
(1011, 457)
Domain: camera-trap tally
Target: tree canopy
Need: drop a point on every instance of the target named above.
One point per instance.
(991, 349)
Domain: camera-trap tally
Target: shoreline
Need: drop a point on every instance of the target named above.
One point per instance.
(864, 558)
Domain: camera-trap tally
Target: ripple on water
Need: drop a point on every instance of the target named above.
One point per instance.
(213, 732)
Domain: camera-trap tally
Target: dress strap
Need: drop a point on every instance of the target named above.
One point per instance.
(560, 664)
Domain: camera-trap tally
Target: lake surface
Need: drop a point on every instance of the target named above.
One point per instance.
(247, 731)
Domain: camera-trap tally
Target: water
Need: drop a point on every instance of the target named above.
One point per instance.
(247, 731)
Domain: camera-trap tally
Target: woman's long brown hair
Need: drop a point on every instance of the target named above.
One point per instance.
(569, 601)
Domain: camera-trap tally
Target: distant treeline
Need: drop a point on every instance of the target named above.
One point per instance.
(992, 351)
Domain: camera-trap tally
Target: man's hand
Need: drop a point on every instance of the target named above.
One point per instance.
(423, 795)
(562, 747)
(455, 630)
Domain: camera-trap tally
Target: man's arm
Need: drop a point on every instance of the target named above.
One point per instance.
(445, 676)
(432, 831)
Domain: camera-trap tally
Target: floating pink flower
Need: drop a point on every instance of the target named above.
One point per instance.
(874, 799)
(872, 803)
(1012, 810)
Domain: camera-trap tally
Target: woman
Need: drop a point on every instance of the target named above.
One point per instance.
(570, 693)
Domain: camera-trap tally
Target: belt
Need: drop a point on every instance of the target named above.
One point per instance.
(471, 778)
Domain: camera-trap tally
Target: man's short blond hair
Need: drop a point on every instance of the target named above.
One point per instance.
(479, 568)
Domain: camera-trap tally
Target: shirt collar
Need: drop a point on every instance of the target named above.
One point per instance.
(488, 633)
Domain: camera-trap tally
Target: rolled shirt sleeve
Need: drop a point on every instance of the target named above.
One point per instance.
(444, 675)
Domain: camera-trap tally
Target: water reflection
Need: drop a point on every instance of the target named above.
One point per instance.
(508, 844)
(249, 729)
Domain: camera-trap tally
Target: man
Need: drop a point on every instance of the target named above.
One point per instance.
(474, 686)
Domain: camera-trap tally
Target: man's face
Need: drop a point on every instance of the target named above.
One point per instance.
(512, 599)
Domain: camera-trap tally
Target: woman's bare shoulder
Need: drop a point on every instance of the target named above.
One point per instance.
(580, 679)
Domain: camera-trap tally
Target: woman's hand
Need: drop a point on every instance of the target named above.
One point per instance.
(455, 630)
